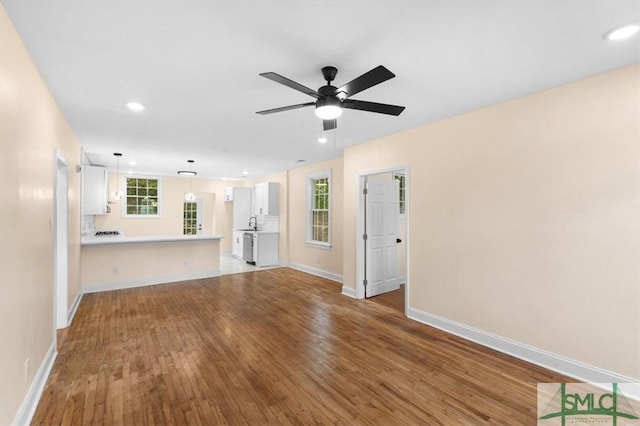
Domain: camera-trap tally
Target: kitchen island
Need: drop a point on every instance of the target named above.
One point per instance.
(110, 263)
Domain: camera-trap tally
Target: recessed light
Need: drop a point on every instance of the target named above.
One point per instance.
(129, 172)
(133, 163)
(621, 32)
(135, 106)
(322, 139)
(244, 173)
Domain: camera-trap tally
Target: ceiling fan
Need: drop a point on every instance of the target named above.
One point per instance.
(330, 100)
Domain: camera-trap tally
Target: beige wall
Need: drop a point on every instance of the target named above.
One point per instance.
(32, 129)
(217, 216)
(525, 218)
(106, 267)
(329, 260)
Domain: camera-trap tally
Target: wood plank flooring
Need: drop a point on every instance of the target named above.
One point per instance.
(274, 347)
(393, 299)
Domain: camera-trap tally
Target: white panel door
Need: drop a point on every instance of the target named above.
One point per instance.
(381, 229)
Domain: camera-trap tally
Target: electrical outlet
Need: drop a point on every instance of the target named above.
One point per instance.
(26, 369)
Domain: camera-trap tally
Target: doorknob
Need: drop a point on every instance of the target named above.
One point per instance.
(398, 240)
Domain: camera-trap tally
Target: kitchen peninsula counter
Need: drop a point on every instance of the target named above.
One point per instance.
(99, 241)
(111, 263)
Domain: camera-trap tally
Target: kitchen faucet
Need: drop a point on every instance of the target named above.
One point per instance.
(255, 222)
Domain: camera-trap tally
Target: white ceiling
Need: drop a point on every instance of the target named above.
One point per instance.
(195, 65)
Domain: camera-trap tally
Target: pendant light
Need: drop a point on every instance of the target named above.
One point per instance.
(118, 195)
(189, 196)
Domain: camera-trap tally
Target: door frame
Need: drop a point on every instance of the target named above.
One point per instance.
(360, 222)
(61, 244)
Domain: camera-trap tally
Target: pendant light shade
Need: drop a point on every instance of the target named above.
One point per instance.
(189, 196)
(118, 195)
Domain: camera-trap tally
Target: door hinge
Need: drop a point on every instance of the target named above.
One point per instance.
(365, 237)
(365, 282)
(364, 191)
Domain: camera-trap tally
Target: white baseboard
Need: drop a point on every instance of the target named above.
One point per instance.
(317, 272)
(98, 287)
(74, 307)
(350, 292)
(31, 399)
(551, 361)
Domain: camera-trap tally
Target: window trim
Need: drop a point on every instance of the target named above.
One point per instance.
(393, 175)
(123, 184)
(322, 174)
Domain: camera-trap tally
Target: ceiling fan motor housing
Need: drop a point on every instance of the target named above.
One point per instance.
(329, 73)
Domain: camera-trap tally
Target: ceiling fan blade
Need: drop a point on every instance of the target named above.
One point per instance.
(366, 80)
(372, 107)
(329, 124)
(287, 108)
(290, 83)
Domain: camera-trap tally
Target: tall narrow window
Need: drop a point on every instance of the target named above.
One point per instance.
(319, 203)
(401, 181)
(190, 221)
(143, 196)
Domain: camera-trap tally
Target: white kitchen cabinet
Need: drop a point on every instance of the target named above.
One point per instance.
(236, 246)
(267, 198)
(241, 207)
(265, 249)
(95, 191)
(228, 194)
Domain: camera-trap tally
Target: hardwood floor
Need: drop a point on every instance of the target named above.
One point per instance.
(274, 347)
(393, 299)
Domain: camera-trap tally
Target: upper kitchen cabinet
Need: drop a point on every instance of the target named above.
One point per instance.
(267, 198)
(228, 194)
(95, 193)
(242, 211)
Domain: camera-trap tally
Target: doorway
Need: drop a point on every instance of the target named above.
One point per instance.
(192, 217)
(61, 230)
(382, 237)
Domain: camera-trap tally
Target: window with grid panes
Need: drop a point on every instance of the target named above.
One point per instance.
(142, 196)
(190, 220)
(402, 192)
(319, 192)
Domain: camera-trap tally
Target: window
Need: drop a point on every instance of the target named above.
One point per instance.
(319, 214)
(401, 180)
(190, 221)
(143, 197)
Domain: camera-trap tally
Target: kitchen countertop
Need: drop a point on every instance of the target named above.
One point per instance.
(254, 232)
(100, 241)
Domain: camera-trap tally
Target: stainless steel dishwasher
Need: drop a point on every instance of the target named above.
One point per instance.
(247, 248)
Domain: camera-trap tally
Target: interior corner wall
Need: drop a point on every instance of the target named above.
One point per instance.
(525, 218)
(32, 130)
(321, 259)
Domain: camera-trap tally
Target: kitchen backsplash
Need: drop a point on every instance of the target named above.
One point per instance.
(87, 226)
(269, 223)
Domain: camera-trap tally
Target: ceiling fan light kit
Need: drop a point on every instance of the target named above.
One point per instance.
(330, 100)
(328, 108)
